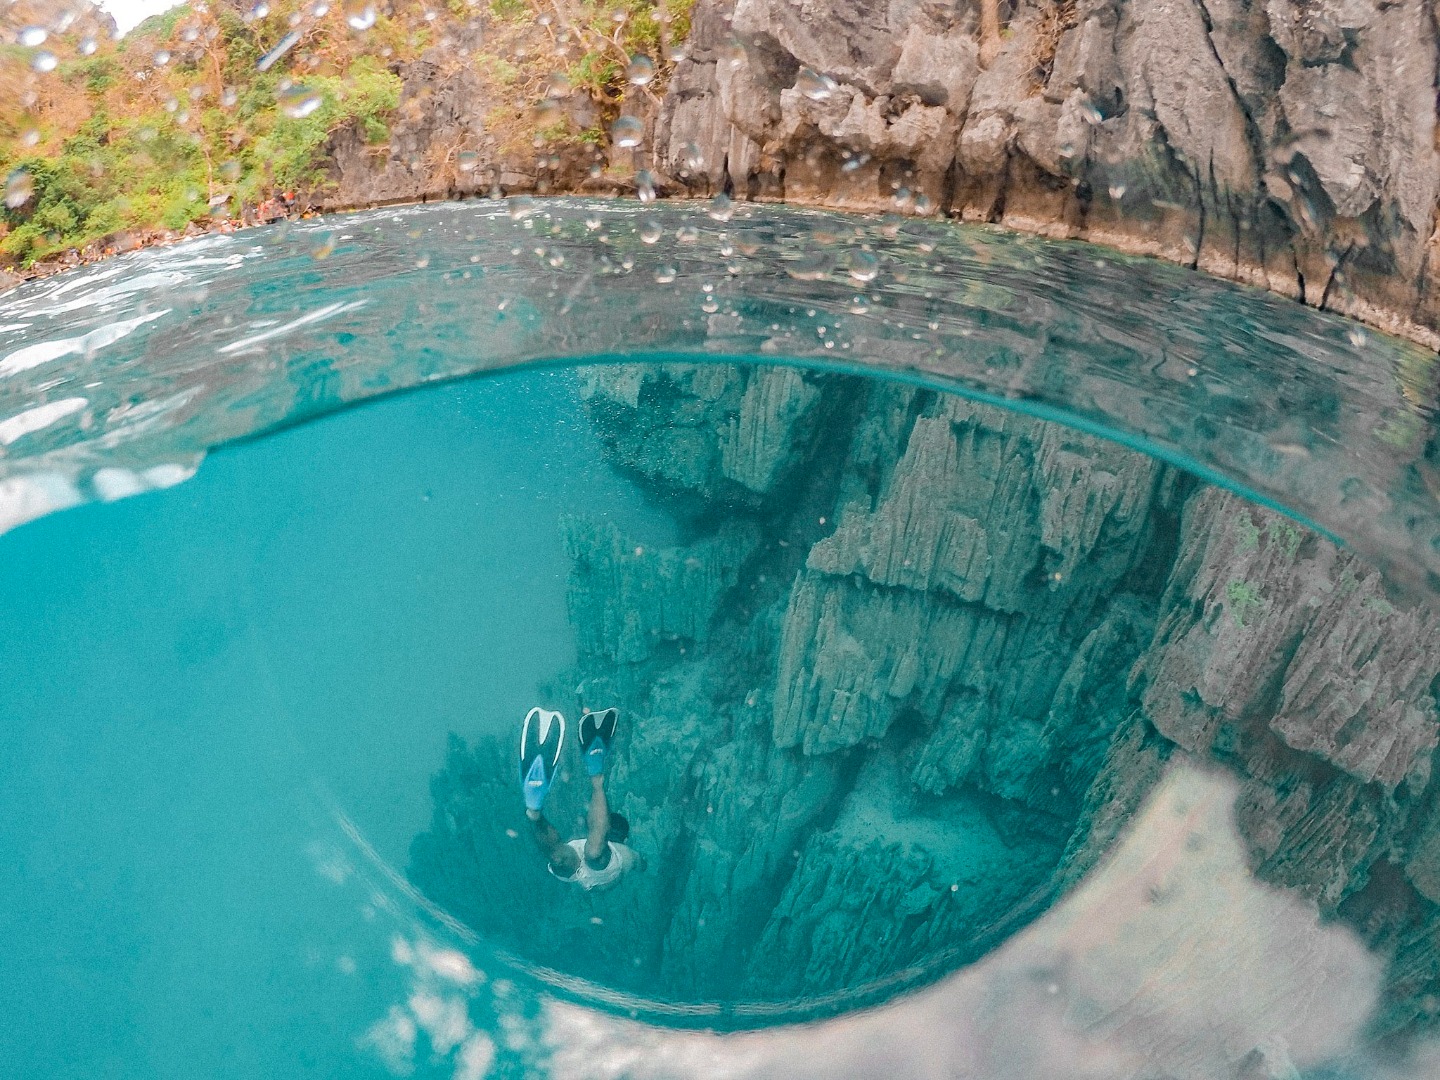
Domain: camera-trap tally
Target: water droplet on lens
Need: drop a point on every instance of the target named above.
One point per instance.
(31, 36)
(722, 207)
(1117, 191)
(627, 131)
(592, 223)
(260, 10)
(44, 61)
(1357, 337)
(691, 157)
(650, 230)
(862, 265)
(359, 14)
(665, 275)
(640, 70)
(814, 85)
(710, 306)
(645, 186)
(687, 234)
(18, 189)
(548, 112)
(812, 267)
(467, 160)
(521, 206)
(923, 205)
(559, 85)
(748, 241)
(88, 45)
(298, 100)
(228, 97)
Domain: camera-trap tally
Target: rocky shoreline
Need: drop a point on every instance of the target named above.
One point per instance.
(1291, 147)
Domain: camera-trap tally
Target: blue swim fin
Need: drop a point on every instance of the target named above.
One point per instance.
(542, 737)
(597, 730)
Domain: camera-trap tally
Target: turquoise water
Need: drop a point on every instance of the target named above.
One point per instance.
(196, 679)
(943, 737)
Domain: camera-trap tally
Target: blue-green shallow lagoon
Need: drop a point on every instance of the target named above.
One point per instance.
(194, 678)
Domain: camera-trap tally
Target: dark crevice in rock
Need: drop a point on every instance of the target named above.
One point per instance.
(1335, 273)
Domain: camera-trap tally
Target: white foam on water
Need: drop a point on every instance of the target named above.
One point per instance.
(38, 418)
(43, 352)
(115, 483)
(25, 498)
(318, 315)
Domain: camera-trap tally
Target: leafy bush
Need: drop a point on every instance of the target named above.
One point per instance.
(1244, 600)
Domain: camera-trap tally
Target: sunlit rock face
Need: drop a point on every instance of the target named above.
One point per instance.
(913, 667)
(1287, 144)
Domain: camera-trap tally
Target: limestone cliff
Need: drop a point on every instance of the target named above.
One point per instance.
(1284, 144)
(1289, 145)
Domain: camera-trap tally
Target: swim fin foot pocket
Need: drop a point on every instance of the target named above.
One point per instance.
(597, 731)
(542, 737)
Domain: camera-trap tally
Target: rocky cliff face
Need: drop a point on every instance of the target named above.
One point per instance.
(908, 677)
(1287, 144)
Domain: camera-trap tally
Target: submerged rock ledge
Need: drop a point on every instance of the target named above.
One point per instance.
(910, 675)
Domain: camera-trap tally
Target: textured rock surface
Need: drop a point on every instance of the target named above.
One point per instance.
(1289, 145)
(885, 706)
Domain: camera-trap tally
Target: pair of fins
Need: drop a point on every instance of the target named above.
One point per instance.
(542, 737)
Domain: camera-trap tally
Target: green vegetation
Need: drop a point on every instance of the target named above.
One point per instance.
(1378, 604)
(1287, 536)
(1247, 532)
(162, 168)
(177, 124)
(1244, 600)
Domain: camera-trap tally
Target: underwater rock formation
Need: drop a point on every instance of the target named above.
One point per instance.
(907, 676)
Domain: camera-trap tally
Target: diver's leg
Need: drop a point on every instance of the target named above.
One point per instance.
(596, 847)
(542, 736)
(560, 854)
